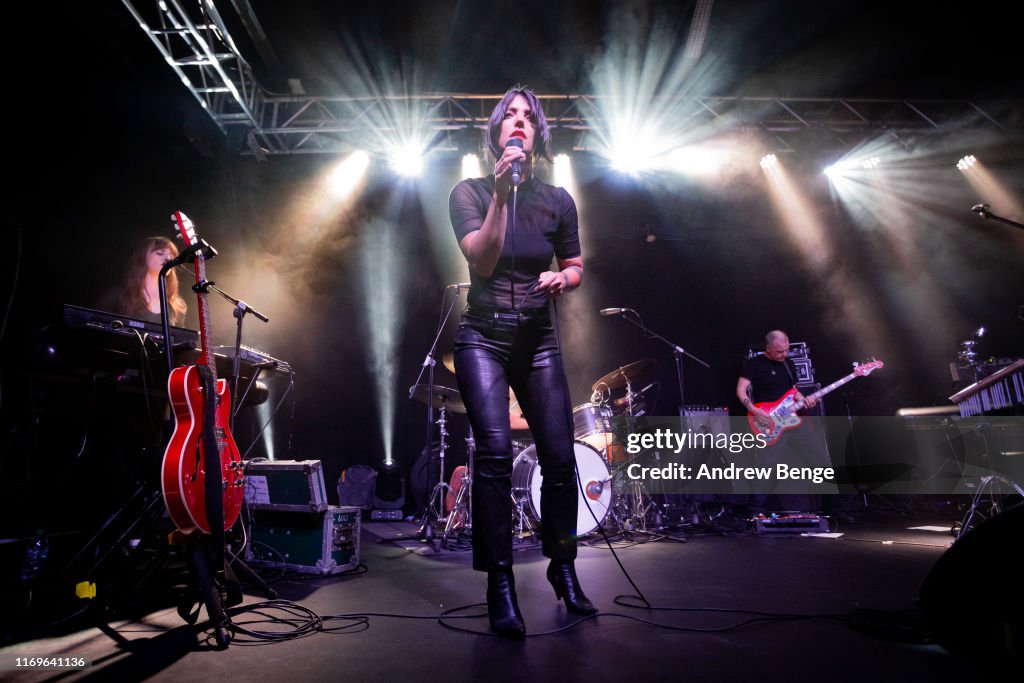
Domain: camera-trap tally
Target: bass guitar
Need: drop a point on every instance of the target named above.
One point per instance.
(183, 473)
(782, 412)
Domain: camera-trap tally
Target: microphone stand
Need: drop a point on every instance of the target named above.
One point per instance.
(241, 308)
(677, 351)
(426, 530)
(186, 255)
(982, 210)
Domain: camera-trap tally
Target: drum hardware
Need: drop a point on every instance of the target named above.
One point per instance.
(522, 526)
(461, 515)
(439, 397)
(632, 506)
(444, 399)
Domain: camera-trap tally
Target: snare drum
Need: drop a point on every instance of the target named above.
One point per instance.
(592, 424)
(593, 473)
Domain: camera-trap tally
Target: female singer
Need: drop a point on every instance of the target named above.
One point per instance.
(509, 226)
(138, 294)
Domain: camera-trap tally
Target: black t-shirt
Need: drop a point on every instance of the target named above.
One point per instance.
(769, 379)
(546, 225)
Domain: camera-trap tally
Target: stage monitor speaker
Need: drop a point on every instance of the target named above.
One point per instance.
(973, 598)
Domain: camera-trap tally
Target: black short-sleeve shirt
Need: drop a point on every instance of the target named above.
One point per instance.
(546, 225)
(769, 379)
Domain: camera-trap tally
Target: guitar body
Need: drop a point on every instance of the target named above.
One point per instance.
(783, 417)
(183, 476)
(782, 411)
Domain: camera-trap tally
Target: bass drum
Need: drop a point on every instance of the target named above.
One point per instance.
(593, 474)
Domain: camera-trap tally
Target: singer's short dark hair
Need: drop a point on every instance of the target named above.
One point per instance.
(542, 137)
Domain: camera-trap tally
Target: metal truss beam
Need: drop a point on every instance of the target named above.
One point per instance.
(196, 45)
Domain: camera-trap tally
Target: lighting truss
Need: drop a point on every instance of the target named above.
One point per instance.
(196, 45)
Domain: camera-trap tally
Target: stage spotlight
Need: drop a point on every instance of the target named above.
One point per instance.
(633, 152)
(344, 178)
(407, 159)
(769, 161)
(471, 166)
(389, 493)
(871, 162)
(966, 162)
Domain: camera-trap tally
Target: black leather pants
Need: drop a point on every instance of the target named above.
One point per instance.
(495, 350)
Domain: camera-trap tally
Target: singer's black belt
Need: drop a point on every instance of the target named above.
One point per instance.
(507, 316)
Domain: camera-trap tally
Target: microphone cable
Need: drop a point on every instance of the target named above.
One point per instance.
(579, 482)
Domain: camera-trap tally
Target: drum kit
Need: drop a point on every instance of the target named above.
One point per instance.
(606, 498)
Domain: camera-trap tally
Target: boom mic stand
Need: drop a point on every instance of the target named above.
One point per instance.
(982, 210)
(677, 352)
(430, 515)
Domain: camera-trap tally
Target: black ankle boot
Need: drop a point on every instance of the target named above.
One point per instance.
(502, 608)
(562, 576)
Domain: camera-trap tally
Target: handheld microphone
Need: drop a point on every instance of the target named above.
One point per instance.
(516, 169)
(458, 286)
(980, 208)
(614, 311)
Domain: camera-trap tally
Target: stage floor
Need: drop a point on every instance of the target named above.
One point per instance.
(726, 604)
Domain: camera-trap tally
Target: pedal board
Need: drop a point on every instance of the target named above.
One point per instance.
(384, 515)
(790, 523)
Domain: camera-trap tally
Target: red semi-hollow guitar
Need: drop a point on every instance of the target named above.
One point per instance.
(183, 477)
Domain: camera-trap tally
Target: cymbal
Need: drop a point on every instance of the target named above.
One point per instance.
(628, 373)
(450, 399)
(448, 360)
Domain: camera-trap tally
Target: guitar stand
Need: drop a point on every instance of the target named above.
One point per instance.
(206, 551)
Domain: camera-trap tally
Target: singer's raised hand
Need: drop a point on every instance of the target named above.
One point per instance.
(503, 168)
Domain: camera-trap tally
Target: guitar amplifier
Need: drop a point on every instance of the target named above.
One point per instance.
(288, 485)
(708, 419)
(319, 543)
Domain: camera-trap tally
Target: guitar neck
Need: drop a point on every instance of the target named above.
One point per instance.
(831, 387)
(206, 353)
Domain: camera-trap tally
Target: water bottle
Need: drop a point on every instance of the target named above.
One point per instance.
(35, 556)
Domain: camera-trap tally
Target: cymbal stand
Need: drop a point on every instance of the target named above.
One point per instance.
(462, 511)
(426, 530)
(434, 511)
